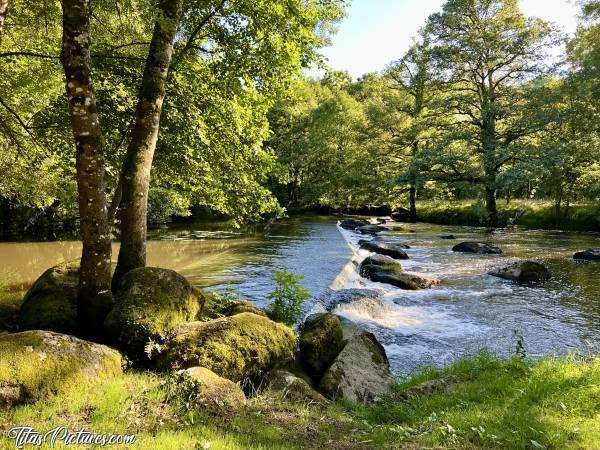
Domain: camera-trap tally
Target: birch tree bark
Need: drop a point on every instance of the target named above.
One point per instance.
(138, 161)
(94, 298)
(3, 14)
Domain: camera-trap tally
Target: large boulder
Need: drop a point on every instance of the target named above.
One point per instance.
(320, 342)
(35, 364)
(404, 280)
(217, 306)
(207, 389)
(383, 248)
(239, 347)
(591, 254)
(371, 229)
(481, 248)
(51, 303)
(150, 304)
(291, 387)
(352, 224)
(360, 373)
(523, 272)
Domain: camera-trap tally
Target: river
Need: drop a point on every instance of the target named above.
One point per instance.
(468, 312)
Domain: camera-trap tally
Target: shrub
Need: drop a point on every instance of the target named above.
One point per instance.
(287, 298)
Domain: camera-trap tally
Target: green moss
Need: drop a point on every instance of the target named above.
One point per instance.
(51, 303)
(150, 304)
(44, 363)
(223, 305)
(239, 347)
(321, 341)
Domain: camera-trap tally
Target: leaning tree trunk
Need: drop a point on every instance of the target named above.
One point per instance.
(3, 14)
(94, 299)
(138, 161)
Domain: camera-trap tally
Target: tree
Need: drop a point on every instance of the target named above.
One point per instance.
(94, 297)
(484, 50)
(3, 14)
(412, 75)
(135, 178)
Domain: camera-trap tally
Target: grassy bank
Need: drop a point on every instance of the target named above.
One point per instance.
(487, 403)
(524, 213)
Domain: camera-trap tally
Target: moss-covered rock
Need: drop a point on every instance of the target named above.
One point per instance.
(291, 387)
(360, 373)
(207, 389)
(320, 342)
(35, 364)
(51, 303)
(395, 251)
(150, 304)
(217, 306)
(378, 263)
(239, 347)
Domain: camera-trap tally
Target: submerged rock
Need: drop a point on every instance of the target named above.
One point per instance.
(36, 364)
(210, 390)
(291, 387)
(334, 298)
(477, 247)
(321, 341)
(404, 280)
(352, 224)
(150, 304)
(360, 373)
(591, 254)
(371, 229)
(523, 272)
(448, 237)
(51, 303)
(393, 250)
(239, 347)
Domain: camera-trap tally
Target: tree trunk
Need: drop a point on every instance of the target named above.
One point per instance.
(3, 14)
(138, 161)
(412, 214)
(490, 205)
(94, 299)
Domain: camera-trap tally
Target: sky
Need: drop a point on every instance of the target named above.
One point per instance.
(376, 32)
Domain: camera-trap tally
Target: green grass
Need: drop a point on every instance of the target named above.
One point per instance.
(551, 403)
(524, 213)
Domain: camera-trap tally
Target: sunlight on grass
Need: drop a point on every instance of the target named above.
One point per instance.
(551, 403)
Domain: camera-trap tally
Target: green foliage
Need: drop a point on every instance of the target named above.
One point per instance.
(163, 204)
(287, 297)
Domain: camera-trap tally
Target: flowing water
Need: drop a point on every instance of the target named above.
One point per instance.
(468, 312)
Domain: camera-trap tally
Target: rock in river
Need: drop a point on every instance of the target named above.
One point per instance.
(352, 224)
(360, 373)
(378, 263)
(320, 342)
(383, 248)
(481, 248)
(384, 269)
(523, 272)
(591, 254)
(371, 229)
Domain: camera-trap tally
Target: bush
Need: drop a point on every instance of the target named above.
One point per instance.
(165, 203)
(287, 298)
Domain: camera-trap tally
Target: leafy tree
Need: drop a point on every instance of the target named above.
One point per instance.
(484, 50)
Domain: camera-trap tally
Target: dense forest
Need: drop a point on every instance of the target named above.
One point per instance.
(487, 104)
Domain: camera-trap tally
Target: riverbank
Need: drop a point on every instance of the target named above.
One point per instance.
(482, 403)
(523, 213)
